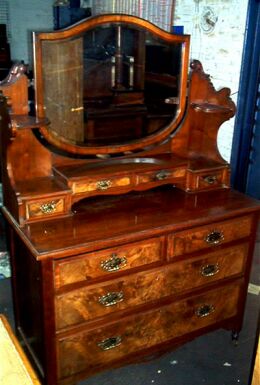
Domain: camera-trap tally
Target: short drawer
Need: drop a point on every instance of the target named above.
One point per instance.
(212, 235)
(168, 175)
(45, 208)
(101, 185)
(100, 347)
(88, 303)
(107, 262)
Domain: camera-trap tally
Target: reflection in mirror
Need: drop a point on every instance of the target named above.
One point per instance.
(113, 84)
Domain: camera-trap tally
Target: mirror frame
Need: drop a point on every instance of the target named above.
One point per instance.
(81, 27)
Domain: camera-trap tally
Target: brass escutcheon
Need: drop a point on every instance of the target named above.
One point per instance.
(49, 207)
(205, 310)
(110, 343)
(111, 299)
(104, 184)
(114, 263)
(209, 270)
(214, 237)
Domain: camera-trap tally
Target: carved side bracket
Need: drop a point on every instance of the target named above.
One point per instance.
(15, 89)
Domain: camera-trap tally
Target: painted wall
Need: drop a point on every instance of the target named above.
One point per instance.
(220, 50)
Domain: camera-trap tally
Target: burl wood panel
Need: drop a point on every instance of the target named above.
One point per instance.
(44, 208)
(89, 266)
(191, 240)
(84, 304)
(160, 175)
(145, 330)
(94, 185)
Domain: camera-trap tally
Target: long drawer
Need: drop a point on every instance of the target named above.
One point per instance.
(98, 347)
(91, 302)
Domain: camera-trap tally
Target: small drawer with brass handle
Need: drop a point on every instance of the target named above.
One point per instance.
(209, 181)
(110, 343)
(209, 270)
(89, 186)
(111, 299)
(169, 175)
(114, 263)
(44, 208)
(212, 235)
(205, 310)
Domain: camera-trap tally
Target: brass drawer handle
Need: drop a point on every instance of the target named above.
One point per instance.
(110, 343)
(214, 237)
(111, 299)
(205, 310)
(209, 270)
(49, 207)
(114, 263)
(104, 184)
(210, 179)
(161, 175)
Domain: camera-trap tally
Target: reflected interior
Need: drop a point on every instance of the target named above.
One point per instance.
(114, 84)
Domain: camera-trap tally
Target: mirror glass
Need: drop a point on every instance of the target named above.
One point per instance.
(114, 84)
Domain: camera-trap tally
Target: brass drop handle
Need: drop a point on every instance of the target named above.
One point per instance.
(214, 237)
(210, 179)
(110, 343)
(205, 310)
(114, 263)
(111, 299)
(48, 207)
(161, 175)
(104, 184)
(209, 270)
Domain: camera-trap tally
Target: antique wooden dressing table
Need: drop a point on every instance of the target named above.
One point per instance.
(125, 237)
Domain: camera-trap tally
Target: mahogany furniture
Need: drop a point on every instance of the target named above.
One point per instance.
(125, 237)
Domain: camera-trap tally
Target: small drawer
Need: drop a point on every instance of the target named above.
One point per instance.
(210, 180)
(107, 262)
(212, 235)
(102, 346)
(45, 208)
(88, 303)
(161, 175)
(101, 185)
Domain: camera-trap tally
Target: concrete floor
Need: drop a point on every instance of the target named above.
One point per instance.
(211, 359)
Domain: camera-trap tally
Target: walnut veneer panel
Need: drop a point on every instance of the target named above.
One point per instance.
(94, 265)
(87, 303)
(145, 330)
(189, 241)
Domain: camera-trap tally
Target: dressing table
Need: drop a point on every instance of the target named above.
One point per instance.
(125, 237)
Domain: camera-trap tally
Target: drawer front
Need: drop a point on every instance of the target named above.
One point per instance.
(210, 180)
(88, 303)
(104, 345)
(211, 235)
(44, 208)
(107, 262)
(100, 185)
(161, 175)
